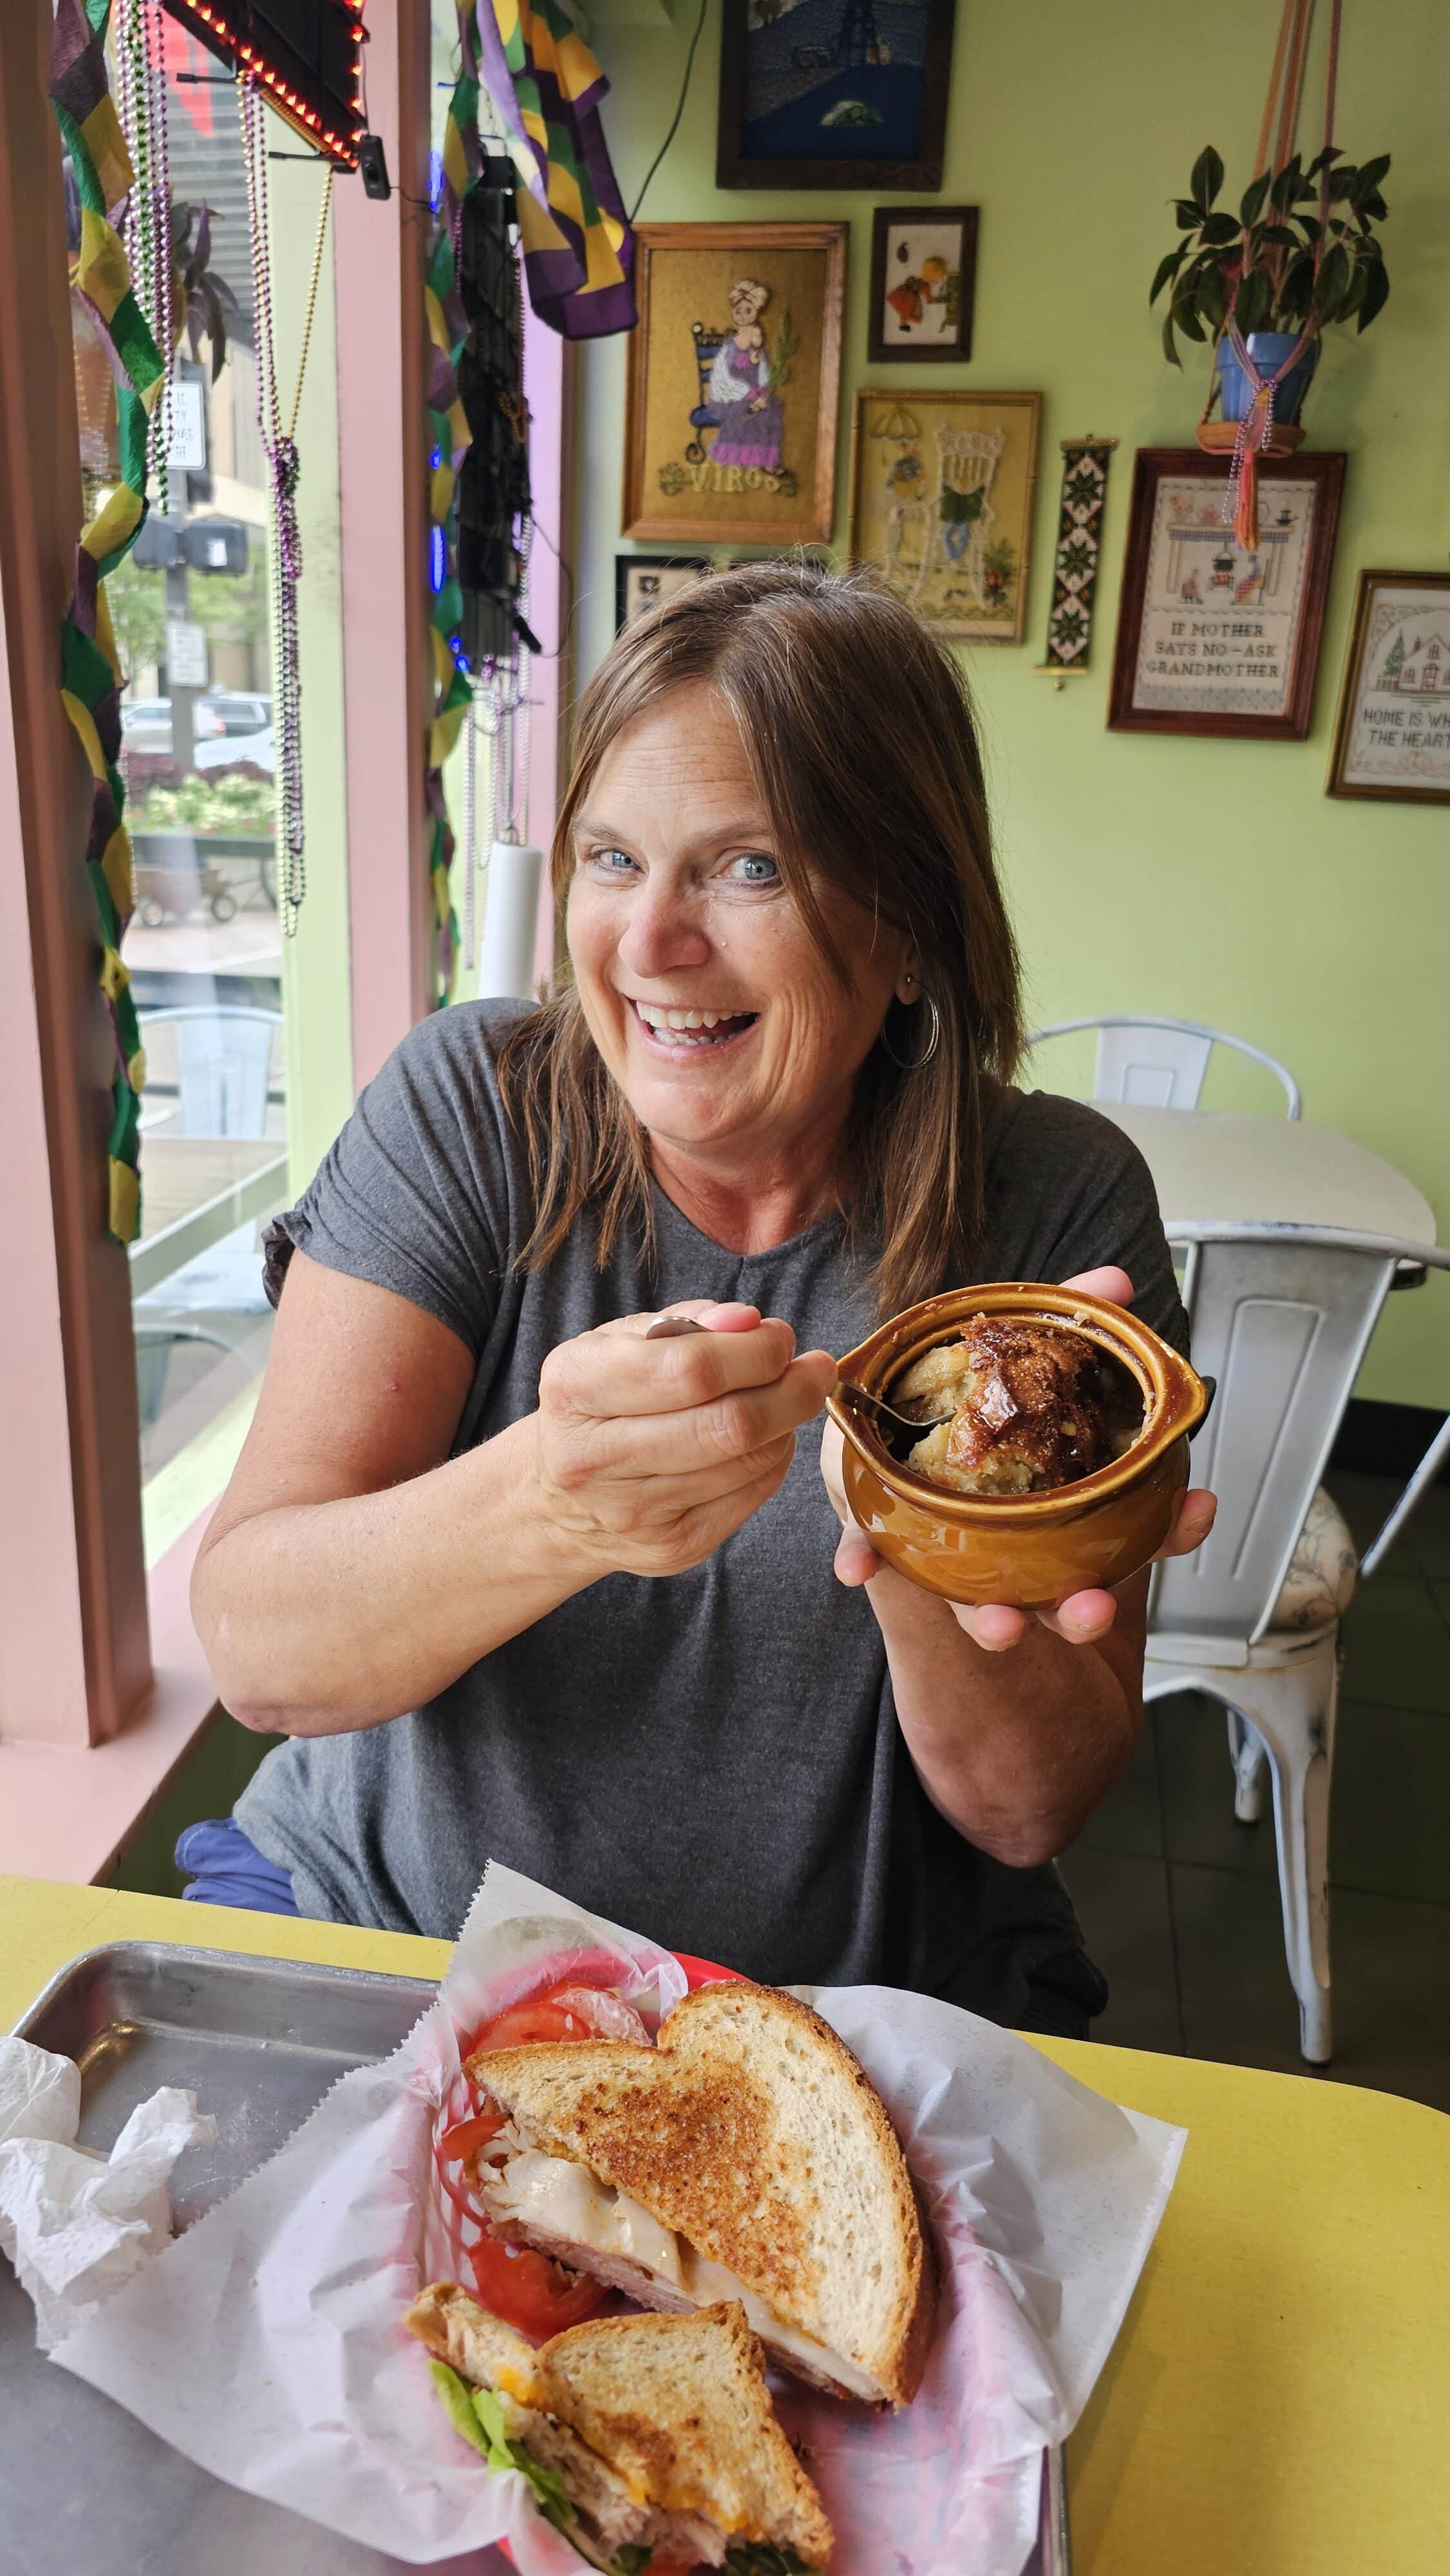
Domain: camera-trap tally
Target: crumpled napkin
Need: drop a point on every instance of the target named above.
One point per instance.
(74, 2224)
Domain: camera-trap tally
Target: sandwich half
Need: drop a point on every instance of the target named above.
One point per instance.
(648, 2441)
(746, 2157)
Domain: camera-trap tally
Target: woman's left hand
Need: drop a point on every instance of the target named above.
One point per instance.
(1083, 1618)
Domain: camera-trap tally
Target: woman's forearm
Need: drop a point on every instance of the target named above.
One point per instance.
(321, 1617)
(1015, 1749)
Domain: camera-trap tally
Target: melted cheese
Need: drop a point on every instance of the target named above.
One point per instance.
(564, 2200)
(557, 2198)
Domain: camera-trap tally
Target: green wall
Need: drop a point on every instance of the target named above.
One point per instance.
(1210, 879)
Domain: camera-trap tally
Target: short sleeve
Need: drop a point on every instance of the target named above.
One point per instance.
(1068, 1191)
(416, 1194)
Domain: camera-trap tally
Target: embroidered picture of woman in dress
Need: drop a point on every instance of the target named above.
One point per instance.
(733, 382)
(743, 397)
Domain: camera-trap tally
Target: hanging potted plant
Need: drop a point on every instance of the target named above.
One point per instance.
(1300, 254)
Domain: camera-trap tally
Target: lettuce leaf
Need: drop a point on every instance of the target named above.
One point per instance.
(476, 2414)
(632, 2559)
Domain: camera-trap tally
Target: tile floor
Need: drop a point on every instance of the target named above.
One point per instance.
(1180, 1904)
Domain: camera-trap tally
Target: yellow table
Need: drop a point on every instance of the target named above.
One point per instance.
(1277, 2399)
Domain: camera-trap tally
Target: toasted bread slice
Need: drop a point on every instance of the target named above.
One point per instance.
(752, 2136)
(679, 2407)
(660, 2428)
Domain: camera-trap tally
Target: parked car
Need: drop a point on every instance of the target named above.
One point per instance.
(241, 710)
(231, 749)
(146, 726)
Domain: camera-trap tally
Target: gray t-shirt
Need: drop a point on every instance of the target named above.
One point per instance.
(714, 1756)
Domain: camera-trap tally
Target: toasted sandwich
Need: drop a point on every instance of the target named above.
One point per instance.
(648, 2441)
(746, 2157)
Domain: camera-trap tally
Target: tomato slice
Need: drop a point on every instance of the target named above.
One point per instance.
(565, 2010)
(467, 2136)
(530, 2292)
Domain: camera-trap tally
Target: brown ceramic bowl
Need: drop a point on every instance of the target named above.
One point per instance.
(1028, 1550)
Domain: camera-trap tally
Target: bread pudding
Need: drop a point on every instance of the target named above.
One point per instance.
(1035, 1405)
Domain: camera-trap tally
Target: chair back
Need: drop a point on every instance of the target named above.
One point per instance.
(1281, 1317)
(224, 1058)
(1160, 1064)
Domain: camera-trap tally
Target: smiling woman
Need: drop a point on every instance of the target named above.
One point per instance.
(821, 870)
(521, 1578)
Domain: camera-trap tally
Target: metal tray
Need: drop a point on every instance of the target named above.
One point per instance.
(259, 2041)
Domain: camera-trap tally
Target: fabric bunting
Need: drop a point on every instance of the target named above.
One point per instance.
(91, 678)
(578, 246)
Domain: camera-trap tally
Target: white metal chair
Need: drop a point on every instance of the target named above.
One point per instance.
(225, 1055)
(1281, 1317)
(1160, 1064)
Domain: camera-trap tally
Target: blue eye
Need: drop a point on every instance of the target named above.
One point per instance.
(613, 862)
(755, 868)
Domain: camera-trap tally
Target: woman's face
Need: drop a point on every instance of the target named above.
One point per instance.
(706, 995)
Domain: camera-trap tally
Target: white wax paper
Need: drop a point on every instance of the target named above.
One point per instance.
(76, 2225)
(266, 2343)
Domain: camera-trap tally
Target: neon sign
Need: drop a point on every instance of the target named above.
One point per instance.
(306, 54)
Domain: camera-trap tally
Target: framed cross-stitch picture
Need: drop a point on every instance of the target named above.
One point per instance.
(734, 376)
(1215, 637)
(1392, 733)
(833, 93)
(923, 279)
(941, 504)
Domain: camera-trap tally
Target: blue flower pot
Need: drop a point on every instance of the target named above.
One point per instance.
(1268, 349)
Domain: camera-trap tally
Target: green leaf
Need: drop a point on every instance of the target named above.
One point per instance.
(632, 2559)
(1377, 287)
(477, 2415)
(1322, 161)
(1213, 301)
(1170, 345)
(1219, 230)
(1275, 237)
(1251, 304)
(1370, 175)
(1187, 214)
(1188, 322)
(1167, 267)
(1333, 284)
(458, 2407)
(1206, 178)
(1251, 203)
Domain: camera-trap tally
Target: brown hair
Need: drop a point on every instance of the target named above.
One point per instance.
(859, 735)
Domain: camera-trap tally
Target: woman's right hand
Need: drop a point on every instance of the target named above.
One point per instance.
(649, 1453)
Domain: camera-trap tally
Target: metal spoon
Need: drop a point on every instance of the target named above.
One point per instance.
(668, 1328)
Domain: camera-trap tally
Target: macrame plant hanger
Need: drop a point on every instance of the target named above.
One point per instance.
(1256, 434)
(279, 445)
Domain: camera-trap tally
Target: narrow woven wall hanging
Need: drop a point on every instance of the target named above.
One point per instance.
(1085, 464)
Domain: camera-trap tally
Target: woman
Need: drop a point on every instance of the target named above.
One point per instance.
(517, 1579)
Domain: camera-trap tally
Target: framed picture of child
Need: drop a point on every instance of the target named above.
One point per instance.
(923, 278)
(734, 377)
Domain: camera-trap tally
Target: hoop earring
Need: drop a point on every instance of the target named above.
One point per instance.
(917, 1063)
